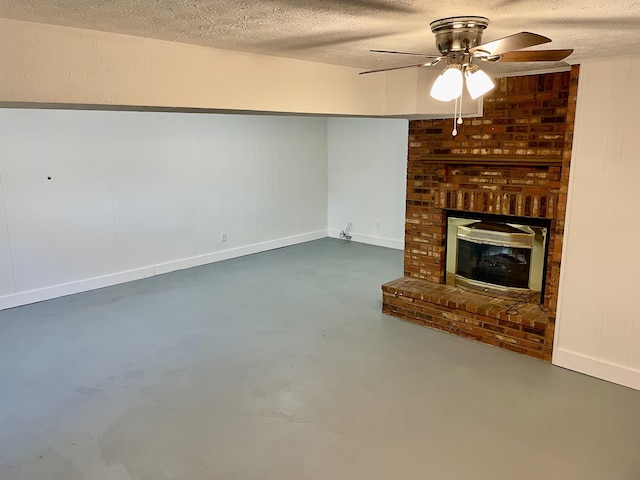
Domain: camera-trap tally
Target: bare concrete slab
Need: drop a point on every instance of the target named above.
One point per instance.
(281, 366)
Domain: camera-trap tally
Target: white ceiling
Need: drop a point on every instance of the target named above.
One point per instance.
(343, 32)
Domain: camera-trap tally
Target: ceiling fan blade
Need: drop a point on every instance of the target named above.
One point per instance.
(406, 53)
(397, 68)
(536, 56)
(516, 41)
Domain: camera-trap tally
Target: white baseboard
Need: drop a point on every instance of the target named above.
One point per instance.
(55, 291)
(594, 367)
(371, 240)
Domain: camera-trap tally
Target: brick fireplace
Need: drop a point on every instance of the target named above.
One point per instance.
(513, 163)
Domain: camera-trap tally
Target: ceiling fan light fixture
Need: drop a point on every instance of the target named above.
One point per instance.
(478, 82)
(448, 85)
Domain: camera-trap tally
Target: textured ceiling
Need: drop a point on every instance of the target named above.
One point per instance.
(343, 32)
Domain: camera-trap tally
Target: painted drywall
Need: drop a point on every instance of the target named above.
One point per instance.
(598, 323)
(49, 64)
(93, 198)
(367, 168)
(6, 268)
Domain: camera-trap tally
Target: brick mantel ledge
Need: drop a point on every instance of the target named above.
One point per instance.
(491, 160)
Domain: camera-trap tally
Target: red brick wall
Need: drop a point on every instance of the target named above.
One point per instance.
(512, 161)
(524, 117)
(525, 191)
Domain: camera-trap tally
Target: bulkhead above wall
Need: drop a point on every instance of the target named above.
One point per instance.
(47, 65)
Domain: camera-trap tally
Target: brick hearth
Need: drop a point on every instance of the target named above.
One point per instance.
(522, 328)
(513, 161)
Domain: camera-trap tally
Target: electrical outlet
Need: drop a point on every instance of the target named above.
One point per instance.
(223, 237)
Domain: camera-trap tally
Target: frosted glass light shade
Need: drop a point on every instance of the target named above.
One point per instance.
(478, 82)
(448, 85)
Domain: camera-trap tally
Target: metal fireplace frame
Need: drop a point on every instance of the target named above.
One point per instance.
(489, 217)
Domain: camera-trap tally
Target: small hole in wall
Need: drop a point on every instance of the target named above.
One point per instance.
(48, 178)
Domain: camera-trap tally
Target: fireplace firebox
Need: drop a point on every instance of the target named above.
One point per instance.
(496, 254)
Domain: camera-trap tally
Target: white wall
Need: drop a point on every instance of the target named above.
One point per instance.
(134, 194)
(598, 324)
(367, 165)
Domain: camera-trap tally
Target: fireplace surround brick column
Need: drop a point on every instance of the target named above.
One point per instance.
(513, 161)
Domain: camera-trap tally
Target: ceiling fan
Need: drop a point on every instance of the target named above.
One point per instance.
(459, 41)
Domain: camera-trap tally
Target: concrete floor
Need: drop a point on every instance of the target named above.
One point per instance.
(281, 366)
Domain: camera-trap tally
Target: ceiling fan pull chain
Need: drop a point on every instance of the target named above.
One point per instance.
(460, 112)
(454, 132)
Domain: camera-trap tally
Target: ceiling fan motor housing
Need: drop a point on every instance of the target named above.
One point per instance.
(456, 35)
